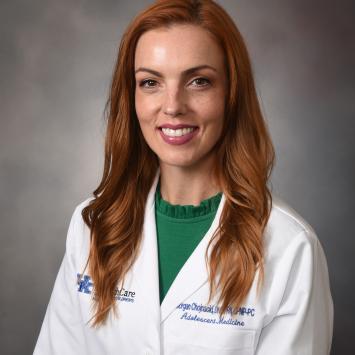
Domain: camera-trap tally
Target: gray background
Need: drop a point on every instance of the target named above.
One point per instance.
(56, 60)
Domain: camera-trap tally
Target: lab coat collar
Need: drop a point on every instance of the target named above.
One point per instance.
(192, 275)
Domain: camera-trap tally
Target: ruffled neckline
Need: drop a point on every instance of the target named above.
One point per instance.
(207, 206)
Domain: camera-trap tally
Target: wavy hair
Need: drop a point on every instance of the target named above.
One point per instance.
(245, 160)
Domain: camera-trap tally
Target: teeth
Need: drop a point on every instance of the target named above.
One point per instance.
(176, 132)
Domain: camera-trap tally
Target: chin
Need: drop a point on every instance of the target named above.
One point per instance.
(177, 162)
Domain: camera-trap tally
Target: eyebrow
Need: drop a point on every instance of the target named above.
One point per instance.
(184, 73)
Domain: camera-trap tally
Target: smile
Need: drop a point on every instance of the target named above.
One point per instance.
(178, 135)
(176, 132)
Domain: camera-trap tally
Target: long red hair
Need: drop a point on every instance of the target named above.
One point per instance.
(245, 160)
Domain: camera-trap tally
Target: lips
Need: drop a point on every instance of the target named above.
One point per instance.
(177, 134)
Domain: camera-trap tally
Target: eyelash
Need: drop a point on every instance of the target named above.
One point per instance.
(143, 82)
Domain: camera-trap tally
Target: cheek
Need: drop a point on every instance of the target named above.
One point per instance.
(212, 113)
(210, 106)
(139, 105)
(144, 110)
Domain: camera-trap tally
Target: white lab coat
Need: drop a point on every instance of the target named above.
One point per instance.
(293, 314)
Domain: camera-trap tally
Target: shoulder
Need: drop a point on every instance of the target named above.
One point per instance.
(79, 207)
(78, 236)
(77, 221)
(296, 272)
(287, 231)
(284, 215)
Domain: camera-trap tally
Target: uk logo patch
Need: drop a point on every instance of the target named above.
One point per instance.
(85, 285)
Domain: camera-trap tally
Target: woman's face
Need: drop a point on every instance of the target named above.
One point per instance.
(180, 93)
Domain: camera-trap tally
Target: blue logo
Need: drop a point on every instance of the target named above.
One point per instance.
(85, 285)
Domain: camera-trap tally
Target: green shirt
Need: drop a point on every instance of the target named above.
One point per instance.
(179, 230)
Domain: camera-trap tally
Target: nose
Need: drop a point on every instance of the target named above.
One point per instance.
(174, 102)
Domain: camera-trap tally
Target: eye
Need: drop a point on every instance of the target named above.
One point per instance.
(147, 83)
(201, 82)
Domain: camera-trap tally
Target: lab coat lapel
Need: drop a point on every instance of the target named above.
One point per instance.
(193, 274)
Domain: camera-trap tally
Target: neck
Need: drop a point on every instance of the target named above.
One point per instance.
(187, 185)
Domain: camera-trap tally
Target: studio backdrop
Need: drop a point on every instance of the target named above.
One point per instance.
(56, 61)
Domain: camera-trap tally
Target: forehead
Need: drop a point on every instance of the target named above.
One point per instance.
(177, 47)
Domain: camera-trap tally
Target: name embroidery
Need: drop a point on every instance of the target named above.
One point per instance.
(195, 312)
(85, 285)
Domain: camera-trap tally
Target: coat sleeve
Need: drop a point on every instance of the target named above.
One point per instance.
(62, 331)
(303, 323)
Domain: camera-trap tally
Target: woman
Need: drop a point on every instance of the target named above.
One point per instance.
(182, 249)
